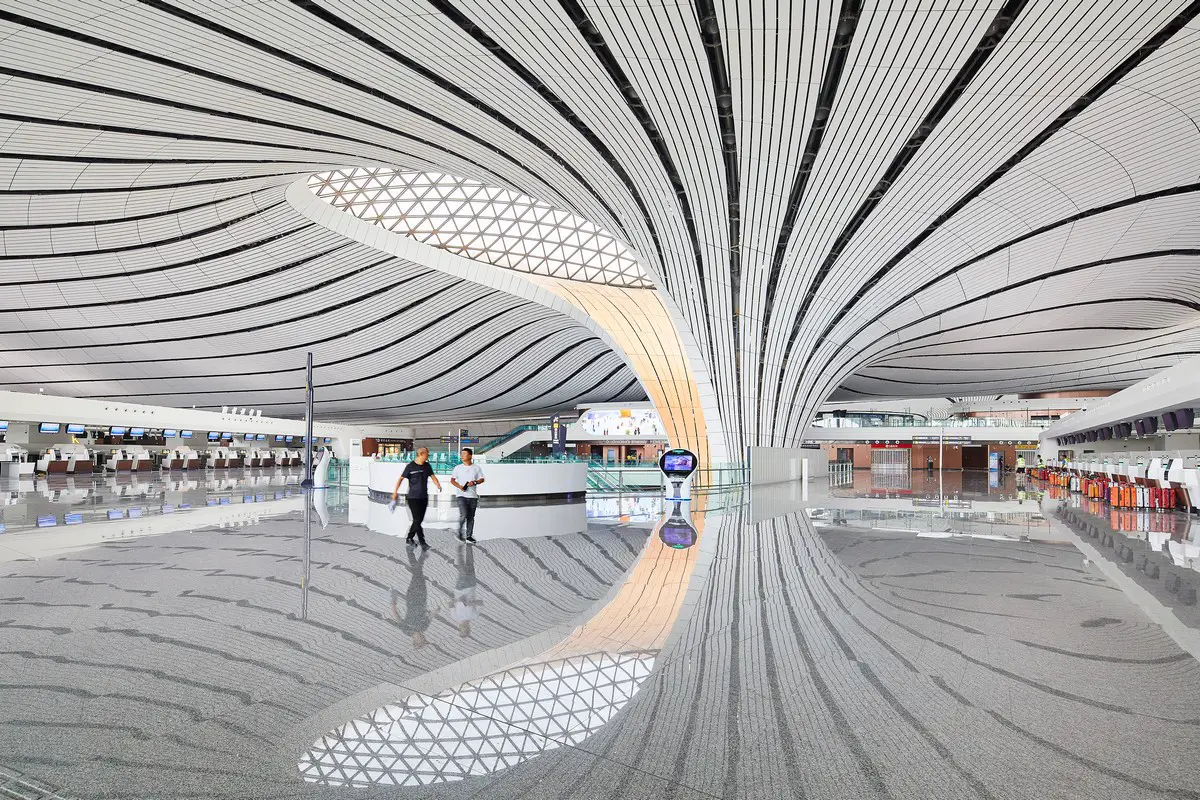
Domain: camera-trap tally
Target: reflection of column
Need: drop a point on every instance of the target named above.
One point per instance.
(638, 323)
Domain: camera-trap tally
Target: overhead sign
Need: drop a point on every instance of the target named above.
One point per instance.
(464, 440)
(891, 445)
(941, 439)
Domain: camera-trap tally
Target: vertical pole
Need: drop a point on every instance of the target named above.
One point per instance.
(941, 461)
(308, 424)
(307, 557)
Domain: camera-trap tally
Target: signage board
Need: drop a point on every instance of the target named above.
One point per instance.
(941, 439)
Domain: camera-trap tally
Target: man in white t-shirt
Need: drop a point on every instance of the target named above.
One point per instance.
(464, 479)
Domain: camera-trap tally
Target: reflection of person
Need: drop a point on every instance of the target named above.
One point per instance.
(464, 479)
(418, 472)
(465, 600)
(416, 602)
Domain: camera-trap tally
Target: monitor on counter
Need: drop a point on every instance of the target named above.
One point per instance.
(249, 437)
(3, 424)
(289, 439)
(328, 440)
(116, 431)
(226, 435)
(78, 429)
(49, 427)
(137, 432)
(213, 436)
(170, 434)
(279, 437)
(185, 434)
(262, 437)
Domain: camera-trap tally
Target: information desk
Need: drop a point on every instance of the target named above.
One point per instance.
(559, 480)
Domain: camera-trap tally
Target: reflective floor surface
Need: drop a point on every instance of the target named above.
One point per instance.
(755, 645)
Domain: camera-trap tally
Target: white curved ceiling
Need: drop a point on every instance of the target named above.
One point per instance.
(838, 199)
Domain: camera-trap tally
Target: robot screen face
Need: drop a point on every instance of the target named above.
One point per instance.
(677, 536)
(680, 463)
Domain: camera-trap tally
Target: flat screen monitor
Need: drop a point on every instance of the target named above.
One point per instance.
(49, 427)
(279, 437)
(185, 434)
(73, 428)
(170, 434)
(116, 431)
(249, 437)
(3, 425)
(262, 437)
(137, 431)
(226, 435)
(213, 436)
(328, 440)
(680, 463)
(289, 439)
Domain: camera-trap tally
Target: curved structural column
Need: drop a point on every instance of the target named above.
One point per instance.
(635, 323)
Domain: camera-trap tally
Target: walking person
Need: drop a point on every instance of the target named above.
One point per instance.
(418, 472)
(464, 479)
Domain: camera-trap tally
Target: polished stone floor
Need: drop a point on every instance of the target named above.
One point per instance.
(760, 645)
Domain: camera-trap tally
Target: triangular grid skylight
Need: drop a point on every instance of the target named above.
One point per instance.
(449, 212)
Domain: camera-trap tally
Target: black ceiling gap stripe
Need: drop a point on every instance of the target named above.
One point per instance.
(318, 369)
(177, 294)
(241, 248)
(324, 365)
(260, 90)
(1031, 368)
(1091, 212)
(147, 160)
(1020, 284)
(211, 112)
(370, 91)
(307, 314)
(148, 187)
(448, 86)
(1106, 375)
(1131, 62)
(140, 245)
(564, 110)
(967, 73)
(910, 352)
(97, 223)
(848, 16)
(515, 384)
(718, 70)
(183, 137)
(516, 407)
(612, 65)
(614, 398)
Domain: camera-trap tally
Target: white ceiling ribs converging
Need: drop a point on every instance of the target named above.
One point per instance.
(841, 199)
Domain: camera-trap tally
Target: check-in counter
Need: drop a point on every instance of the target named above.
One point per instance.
(236, 459)
(1112, 470)
(1156, 473)
(218, 458)
(286, 457)
(142, 462)
(14, 462)
(181, 458)
(119, 460)
(79, 459)
(266, 458)
(53, 462)
(1137, 472)
(1191, 483)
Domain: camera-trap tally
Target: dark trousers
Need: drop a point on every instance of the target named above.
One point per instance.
(466, 515)
(416, 507)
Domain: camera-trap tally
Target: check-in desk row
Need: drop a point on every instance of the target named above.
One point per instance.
(1179, 473)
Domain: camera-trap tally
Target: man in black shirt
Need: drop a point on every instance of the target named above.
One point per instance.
(418, 472)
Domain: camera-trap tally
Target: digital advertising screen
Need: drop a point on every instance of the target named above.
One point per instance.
(49, 427)
(678, 463)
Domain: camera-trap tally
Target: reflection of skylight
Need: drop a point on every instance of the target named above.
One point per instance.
(485, 223)
(480, 727)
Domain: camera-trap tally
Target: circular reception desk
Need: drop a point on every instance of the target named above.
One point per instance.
(503, 483)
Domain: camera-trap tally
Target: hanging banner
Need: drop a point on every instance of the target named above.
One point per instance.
(558, 436)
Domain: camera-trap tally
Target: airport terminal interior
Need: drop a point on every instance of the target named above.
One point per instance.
(581, 400)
